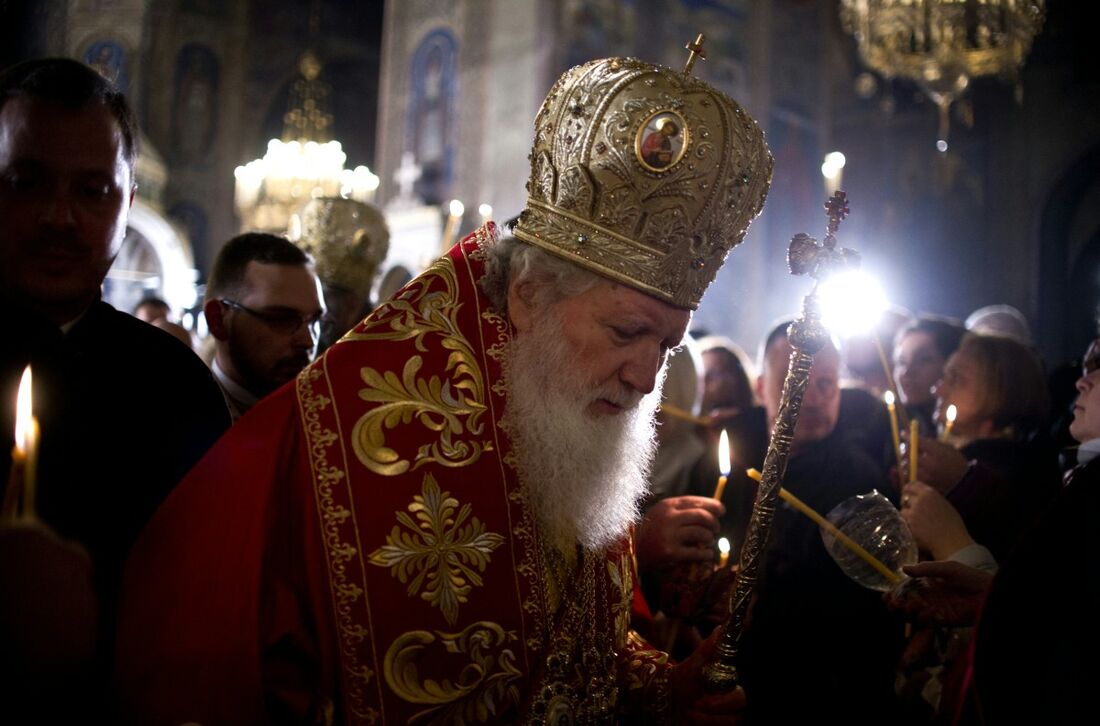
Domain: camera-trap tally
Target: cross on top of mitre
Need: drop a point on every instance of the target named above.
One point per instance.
(695, 52)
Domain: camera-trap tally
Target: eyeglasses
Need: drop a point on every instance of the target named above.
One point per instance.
(282, 320)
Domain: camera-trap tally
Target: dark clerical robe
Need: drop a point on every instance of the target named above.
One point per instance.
(359, 548)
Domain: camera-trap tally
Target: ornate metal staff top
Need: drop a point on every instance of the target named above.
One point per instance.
(807, 336)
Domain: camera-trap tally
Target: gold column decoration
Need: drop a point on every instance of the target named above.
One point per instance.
(807, 335)
(942, 45)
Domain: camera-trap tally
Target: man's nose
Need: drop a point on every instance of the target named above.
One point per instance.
(640, 372)
(304, 337)
(58, 210)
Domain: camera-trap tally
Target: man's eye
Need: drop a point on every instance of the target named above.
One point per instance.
(22, 182)
(96, 192)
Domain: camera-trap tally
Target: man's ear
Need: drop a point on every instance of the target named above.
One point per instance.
(215, 320)
(520, 304)
(759, 388)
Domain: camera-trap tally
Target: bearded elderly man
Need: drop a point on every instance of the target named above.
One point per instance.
(433, 524)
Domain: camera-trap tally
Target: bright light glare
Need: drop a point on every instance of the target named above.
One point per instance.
(834, 162)
(457, 208)
(851, 303)
(888, 397)
(723, 545)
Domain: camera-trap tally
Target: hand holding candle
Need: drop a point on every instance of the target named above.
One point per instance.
(723, 464)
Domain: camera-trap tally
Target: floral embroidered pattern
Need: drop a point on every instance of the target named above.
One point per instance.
(489, 683)
(439, 554)
(452, 405)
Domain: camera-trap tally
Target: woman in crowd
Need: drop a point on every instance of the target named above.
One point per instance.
(976, 492)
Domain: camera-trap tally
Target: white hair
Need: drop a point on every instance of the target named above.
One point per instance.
(555, 278)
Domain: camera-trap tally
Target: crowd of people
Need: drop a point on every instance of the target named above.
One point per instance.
(491, 498)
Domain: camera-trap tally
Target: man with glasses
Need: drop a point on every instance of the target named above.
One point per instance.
(263, 306)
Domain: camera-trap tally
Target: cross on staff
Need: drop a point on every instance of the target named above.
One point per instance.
(696, 53)
(807, 335)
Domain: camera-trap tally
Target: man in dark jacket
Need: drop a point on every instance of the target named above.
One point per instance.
(124, 409)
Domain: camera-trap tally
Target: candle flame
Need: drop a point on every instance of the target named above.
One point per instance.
(889, 398)
(952, 412)
(723, 545)
(23, 412)
(456, 208)
(724, 453)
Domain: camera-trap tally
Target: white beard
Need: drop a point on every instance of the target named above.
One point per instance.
(584, 474)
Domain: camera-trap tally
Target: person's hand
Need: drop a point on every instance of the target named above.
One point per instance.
(691, 703)
(934, 522)
(941, 593)
(939, 465)
(677, 530)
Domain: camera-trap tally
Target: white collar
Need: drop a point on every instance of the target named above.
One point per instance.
(236, 391)
(1088, 451)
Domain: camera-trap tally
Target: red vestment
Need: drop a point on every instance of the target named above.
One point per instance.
(359, 547)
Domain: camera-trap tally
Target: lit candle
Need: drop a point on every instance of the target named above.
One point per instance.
(914, 441)
(951, 413)
(889, 398)
(24, 455)
(829, 527)
(723, 552)
(454, 217)
(486, 212)
(723, 464)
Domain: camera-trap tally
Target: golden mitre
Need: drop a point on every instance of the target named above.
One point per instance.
(645, 175)
(348, 241)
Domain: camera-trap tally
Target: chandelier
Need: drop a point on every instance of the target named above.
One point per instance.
(942, 44)
(304, 164)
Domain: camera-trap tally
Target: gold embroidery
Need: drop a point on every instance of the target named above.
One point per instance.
(488, 683)
(342, 556)
(439, 549)
(452, 406)
(622, 597)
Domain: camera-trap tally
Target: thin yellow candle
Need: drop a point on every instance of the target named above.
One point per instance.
(914, 448)
(891, 384)
(889, 398)
(676, 412)
(723, 464)
(723, 552)
(951, 414)
(829, 527)
(454, 217)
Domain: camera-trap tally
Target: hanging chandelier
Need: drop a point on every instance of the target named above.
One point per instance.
(942, 45)
(304, 164)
